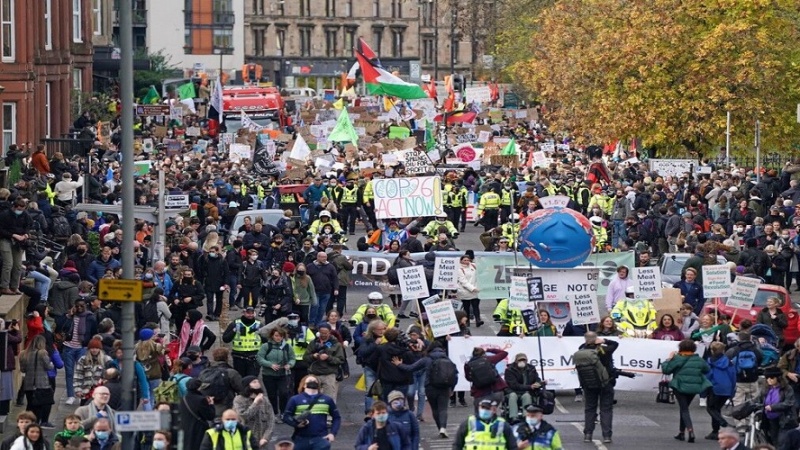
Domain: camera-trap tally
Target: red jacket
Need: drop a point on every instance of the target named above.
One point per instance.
(40, 163)
(494, 355)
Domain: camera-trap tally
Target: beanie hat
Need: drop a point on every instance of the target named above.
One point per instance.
(145, 334)
(95, 343)
(395, 395)
(288, 267)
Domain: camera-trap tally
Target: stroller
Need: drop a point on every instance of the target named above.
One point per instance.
(768, 342)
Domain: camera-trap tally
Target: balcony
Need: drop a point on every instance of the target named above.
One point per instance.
(224, 18)
(139, 18)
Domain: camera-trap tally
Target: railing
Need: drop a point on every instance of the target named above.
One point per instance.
(68, 147)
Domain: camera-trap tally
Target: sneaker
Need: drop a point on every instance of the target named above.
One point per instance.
(462, 403)
(702, 403)
(402, 316)
(587, 438)
(70, 401)
(46, 425)
(578, 398)
(443, 433)
(452, 403)
(607, 440)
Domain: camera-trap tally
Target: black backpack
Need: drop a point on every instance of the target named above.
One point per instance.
(60, 227)
(214, 382)
(442, 373)
(483, 373)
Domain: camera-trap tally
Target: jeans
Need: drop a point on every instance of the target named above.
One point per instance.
(714, 405)
(684, 400)
(592, 398)
(472, 306)
(311, 443)
(514, 403)
(149, 406)
(438, 398)
(369, 377)
(41, 283)
(233, 280)
(71, 356)
(417, 387)
(618, 233)
(12, 264)
(321, 308)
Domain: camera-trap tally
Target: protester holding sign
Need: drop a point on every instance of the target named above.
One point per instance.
(468, 289)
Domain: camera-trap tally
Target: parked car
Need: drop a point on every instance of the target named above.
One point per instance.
(765, 291)
(671, 265)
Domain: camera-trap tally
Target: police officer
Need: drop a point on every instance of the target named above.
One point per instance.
(490, 206)
(349, 207)
(385, 312)
(458, 205)
(511, 320)
(510, 230)
(243, 332)
(536, 433)
(432, 229)
(234, 435)
(508, 199)
(486, 431)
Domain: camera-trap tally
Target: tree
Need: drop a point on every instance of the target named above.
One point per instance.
(161, 67)
(666, 71)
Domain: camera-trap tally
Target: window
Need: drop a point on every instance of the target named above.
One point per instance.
(305, 8)
(427, 50)
(48, 25)
(281, 9)
(77, 79)
(330, 8)
(330, 42)
(397, 9)
(77, 29)
(7, 23)
(305, 41)
(427, 14)
(187, 41)
(223, 39)
(348, 8)
(9, 125)
(377, 40)
(397, 43)
(376, 8)
(97, 17)
(258, 41)
(280, 42)
(258, 7)
(47, 102)
(349, 39)
(223, 5)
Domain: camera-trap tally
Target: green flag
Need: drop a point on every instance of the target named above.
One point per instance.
(430, 140)
(186, 91)
(343, 131)
(152, 97)
(510, 149)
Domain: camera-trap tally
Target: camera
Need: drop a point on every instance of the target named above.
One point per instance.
(621, 373)
(403, 339)
(303, 417)
(524, 432)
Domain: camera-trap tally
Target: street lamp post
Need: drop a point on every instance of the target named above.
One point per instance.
(453, 17)
(220, 52)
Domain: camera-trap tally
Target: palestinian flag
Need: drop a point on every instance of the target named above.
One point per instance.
(381, 82)
(457, 117)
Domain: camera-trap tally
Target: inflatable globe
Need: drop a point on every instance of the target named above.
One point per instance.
(557, 238)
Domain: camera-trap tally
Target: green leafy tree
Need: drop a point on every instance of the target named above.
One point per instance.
(161, 67)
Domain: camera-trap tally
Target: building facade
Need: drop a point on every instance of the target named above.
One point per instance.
(46, 54)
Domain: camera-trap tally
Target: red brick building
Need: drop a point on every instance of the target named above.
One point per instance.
(45, 54)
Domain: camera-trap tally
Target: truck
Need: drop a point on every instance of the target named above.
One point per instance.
(262, 105)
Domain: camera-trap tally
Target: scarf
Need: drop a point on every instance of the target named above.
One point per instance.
(67, 435)
(191, 335)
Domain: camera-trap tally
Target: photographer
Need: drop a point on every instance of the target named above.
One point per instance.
(594, 363)
(308, 413)
(391, 376)
(535, 433)
(523, 381)
(324, 356)
(13, 242)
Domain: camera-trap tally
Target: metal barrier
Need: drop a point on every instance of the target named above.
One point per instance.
(68, 147)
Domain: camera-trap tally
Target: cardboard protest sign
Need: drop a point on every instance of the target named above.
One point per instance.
(417, 163)
(445, 273)
(672, 167)
(716, 281)
(646, 282)
(518, 294)
(407, 197)
(441, 316)
(743, 292)
(412, 282)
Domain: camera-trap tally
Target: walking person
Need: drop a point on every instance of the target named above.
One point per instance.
(723, 385)
(440, 380)
(276, 358)
(307, 412)
(780, 415)
(255, 410)
(688, 372)
(595, 365)
(34, 363)
(468, 289)
(748, 358)
(246, 341)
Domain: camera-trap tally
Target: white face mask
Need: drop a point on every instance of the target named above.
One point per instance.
(521, 364)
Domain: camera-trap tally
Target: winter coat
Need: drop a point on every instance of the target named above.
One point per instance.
(278, 291)
(388, 372)
(330, 366)
(692, 293)
(257, 417)
(467, 282)
(398, 440)
(786, 406)
(688, 373)
(275, 353)
(494, 356)
(213, 272)
(325, 278)
(520, 380)
(305, 294)
(343, 266)
(62, 296)
(98, 268)
(35, 367)
(778, 324)
(722, 376)
(89, 372)
(788, 362)
(12, 348)
(196, 414)
(407, 424)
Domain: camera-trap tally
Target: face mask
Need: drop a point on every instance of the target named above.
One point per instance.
(17, 212)
(301, 272)
(253, 258)
(159, 445)
(739, 230)
(101, 435)
(522, 364)
(212, 255)
(398, 404)
(382, 418)
(230, 425)
(187, 279)
(372, 316)
(785, 236)
(485, 414)
(312, 385)
(532, 422)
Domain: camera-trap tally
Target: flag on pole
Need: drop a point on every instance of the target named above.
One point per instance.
(381, 82)
(215, 102)
(248, 123)
(186, 91)
(363, 49)
(510, 149)
(152, 97)
(343, 131)
(301, 150)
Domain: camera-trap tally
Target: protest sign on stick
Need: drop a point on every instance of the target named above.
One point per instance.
(407, 197)
(716, 281)
(445, 275)
(412, 282)
(441, 316)
(646, 282)
(743, 292)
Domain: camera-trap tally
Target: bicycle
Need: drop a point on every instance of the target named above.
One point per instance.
(754, 413)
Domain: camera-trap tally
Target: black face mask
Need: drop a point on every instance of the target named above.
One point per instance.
(372, 316)
(312, 385)
(301, 272)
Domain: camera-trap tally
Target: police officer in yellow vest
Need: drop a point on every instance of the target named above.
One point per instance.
(349, 206)
(458, 206)
(507, 201)
(243, 332)
(288, 200)
(512, 323)
(232, 434)
(368, 201)
(582, 195)
(485, 432)
(489, 205)
(510, 230)
(375, 300)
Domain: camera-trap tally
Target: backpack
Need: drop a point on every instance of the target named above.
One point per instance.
(214, 382)
(746, 364)
(152, 365)
(483, 372)
(60, 227)
(648, 230)
(442, 373)
(592, 374)
(150, 312)
(169, 391)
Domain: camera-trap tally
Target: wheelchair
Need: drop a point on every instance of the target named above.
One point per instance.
(540, 397)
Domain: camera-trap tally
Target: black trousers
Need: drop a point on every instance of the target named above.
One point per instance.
(604, 398)
(455, 217)
(349, 215)
(489, 219)
(278, 391)
(246, 364)
(250, 295)
(438, 399)
(714, 404)
(472, 307)
(684, 400)
(214, 298)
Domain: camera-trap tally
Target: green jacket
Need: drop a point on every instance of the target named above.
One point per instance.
(273, 353)
(688, 373)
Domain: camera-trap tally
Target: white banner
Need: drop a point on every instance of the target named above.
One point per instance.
(441, 316)
(518, 294)
(672, 167)
(562, 285)
(412, 282)
(238, 152)
(584, 309)
(646, 282)
(716, 281)
(445, 273)
(743, 292)
(643, 357)
(407, 197)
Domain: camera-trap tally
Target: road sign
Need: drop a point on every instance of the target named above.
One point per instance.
(120, 290)
(152, 110)
(138, 421)
(177, 201)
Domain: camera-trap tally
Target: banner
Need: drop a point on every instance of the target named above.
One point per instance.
(407, 197)
(644, 357)
(441, 316)
(646, 282)
(672, 167)
(743, 293)
(445, 274)
(716, 281)
(494, 271)
(412, 282)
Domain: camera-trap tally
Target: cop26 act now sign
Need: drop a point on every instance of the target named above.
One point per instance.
(643, 357)
(407, 197)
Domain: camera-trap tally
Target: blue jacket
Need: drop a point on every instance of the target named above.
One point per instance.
(165, 283)
(98, 268)
(58, 363)
(693, 295)
(407, 424)
(398, 439)
(314, 194)
(318, 421)
(722, 376)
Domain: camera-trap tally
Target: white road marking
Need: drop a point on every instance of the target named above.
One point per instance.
(597, 442)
